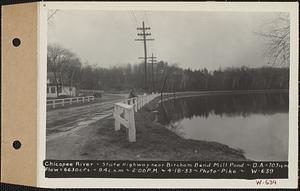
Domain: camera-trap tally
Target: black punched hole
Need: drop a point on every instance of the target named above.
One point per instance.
(17, 144)
(16, 42)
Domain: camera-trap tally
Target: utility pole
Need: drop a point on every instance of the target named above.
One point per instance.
(153, 61)
(144, 38)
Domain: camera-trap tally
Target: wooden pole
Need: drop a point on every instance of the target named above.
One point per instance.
(144, 39)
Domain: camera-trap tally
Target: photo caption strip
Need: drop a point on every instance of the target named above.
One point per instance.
(166, 169)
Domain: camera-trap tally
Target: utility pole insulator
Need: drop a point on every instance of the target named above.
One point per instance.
(144, 39)
(142, 34)
(143, 28)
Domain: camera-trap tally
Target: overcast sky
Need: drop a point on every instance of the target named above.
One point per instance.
(190, 39)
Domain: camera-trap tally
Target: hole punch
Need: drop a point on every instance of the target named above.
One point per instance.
(16, 42)
(17, 144)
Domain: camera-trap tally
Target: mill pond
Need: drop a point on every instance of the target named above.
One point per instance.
(256, 123)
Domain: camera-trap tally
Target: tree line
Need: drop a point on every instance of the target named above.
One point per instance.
(68, 69)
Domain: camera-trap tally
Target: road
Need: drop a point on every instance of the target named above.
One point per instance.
(65, 121)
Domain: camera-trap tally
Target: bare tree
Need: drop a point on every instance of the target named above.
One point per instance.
(276, 32)
(57, 57)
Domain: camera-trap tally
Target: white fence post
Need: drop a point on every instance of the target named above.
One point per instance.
(141, 103)
(129, 106)
(138, 103)
(117, 122)
(135, 104)
(131, 124)
(127, 120)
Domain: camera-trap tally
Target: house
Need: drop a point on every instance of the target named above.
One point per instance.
(61, 89)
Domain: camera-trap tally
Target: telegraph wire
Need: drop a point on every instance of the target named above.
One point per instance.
(52, 14)
(148, 18)
(134, 17)
(145, 13)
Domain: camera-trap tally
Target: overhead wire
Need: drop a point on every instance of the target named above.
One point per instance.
(152, 44)
(136, 22)
(132, 19)
(52, 14)
(146, 17)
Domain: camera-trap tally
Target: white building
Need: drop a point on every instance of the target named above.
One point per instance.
(63, 90)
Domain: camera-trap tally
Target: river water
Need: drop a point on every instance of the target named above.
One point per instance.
(256, 123)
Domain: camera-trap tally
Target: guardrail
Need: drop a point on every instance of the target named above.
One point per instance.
(90, 91)
(124, 113)
(127, 119)
(62, 102)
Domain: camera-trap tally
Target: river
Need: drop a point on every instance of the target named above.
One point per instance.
(256, 123)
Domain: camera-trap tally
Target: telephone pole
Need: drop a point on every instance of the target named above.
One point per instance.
(153, 61)
(144, 38)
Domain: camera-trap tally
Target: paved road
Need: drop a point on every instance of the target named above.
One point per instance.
(61, 122)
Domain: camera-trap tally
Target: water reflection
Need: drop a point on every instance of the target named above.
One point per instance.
(256, 123)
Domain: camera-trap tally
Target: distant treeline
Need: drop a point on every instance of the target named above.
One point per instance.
(68, 69)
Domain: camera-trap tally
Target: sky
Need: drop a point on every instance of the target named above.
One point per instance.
(189, 39)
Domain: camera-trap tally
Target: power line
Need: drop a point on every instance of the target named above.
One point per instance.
(52, 14)
(145, 13)
(136, 23)
(132, 19)
(148, 18)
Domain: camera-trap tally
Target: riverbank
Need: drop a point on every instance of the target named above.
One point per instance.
(99, 141)
(224, 92)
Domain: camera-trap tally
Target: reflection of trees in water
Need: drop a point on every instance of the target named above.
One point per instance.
(228, 105)
(171, 120)
(177, 128)
(163, 115)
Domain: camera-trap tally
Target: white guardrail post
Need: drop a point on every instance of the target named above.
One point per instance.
(131, 125)
(128, 107)
(116, 114)
(136, 104)
(127, 121)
